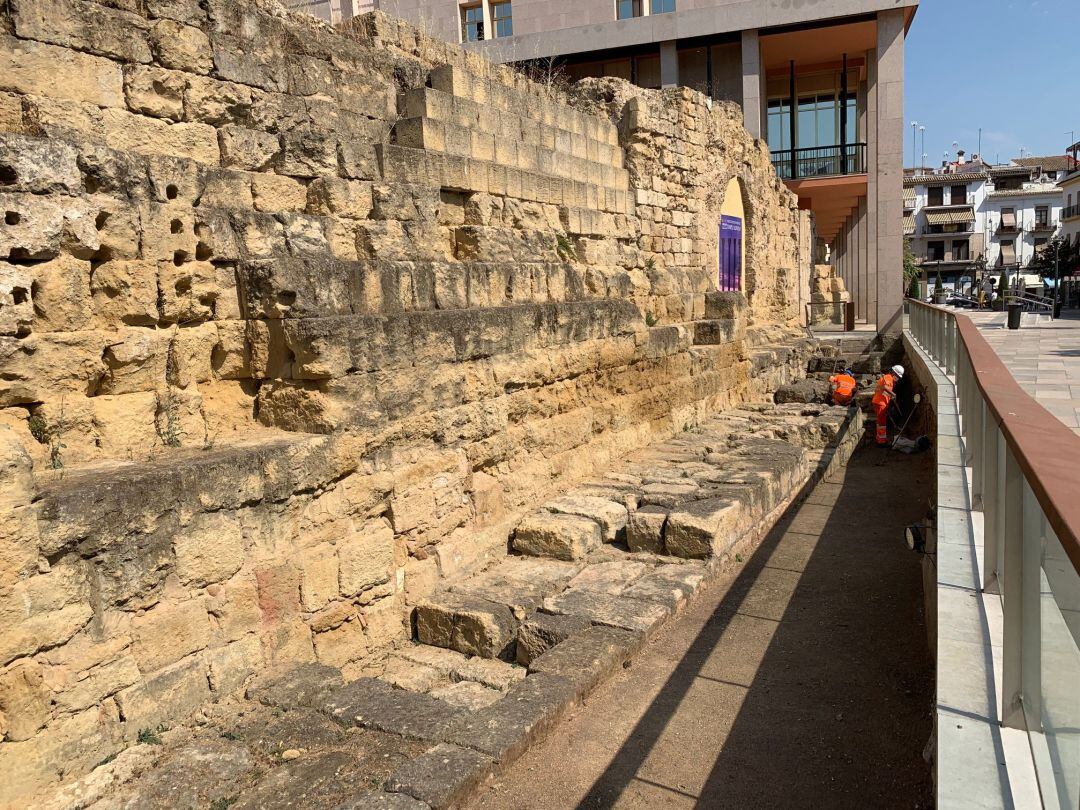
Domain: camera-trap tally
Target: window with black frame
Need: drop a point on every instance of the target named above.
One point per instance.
(627, 9)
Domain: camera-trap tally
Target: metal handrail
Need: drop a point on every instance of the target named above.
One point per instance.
(1025, 479)
(1033, 303)
(1030, 431)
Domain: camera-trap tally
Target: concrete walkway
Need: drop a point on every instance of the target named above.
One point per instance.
(800, 678)
(1044, 358)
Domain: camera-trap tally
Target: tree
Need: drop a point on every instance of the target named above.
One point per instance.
(914, 290)
(1056, 255)
(911, 264)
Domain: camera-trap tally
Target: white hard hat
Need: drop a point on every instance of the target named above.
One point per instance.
(898, 371)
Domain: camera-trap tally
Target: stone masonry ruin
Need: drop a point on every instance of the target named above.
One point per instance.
(298, 324)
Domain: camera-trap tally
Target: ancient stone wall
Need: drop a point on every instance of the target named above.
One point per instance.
(295, 322)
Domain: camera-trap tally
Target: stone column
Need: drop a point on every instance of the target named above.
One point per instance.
(669, 64)
(753, 78)
(870, 121)
(864, 261)
(858, 290)
(889, 171)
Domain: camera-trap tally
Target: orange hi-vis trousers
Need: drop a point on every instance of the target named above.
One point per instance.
(883, 396)
(881, 416)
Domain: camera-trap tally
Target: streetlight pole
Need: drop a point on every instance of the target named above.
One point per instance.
(914, 129)
(922, 131)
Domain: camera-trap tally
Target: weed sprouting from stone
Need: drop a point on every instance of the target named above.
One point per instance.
(148, 737)
(565, 248)
(650, 319)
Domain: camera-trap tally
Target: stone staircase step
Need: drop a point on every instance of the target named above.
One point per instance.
(609, 515)
(468, 624)
(373, 704)
(562, 537)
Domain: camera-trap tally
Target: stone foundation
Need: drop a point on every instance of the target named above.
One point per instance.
(296, 322)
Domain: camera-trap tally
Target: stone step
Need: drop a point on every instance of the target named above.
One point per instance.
(440, 717)
(857, 363)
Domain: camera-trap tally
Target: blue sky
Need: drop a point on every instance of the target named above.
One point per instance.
(1011, 67)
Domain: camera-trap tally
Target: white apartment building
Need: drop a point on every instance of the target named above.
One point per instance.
(968, 216)
(1070, 190)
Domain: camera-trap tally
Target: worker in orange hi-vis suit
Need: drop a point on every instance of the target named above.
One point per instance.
(884, 394)
(843, 388)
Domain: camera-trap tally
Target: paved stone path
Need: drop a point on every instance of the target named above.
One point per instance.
(801, 678)
(1043, 356)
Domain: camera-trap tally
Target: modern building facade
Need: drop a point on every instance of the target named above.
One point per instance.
(821, 82)
(968, 217)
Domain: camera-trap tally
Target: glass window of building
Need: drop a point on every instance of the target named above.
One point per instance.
(472, 23)
(935, 195)
(501, 19)
(960, 250)
(958, 195)
(662, 6)
(935, 251)
(779, 124)
(1042, 215)
(625, 9)
(647, 71)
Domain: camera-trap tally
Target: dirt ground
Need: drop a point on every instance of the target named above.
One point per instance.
(801, 678)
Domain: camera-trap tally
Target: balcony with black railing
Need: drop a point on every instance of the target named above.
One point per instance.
(1071, 212)
(820, 161)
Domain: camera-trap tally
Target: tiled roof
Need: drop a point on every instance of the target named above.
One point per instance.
(943, 179)
(1049, 163)
(1019, 192)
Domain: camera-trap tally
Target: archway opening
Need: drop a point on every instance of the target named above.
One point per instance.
(731, 243)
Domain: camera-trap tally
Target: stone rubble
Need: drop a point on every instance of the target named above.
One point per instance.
(503, 654)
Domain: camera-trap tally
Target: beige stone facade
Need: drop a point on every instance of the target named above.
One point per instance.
(295, 322)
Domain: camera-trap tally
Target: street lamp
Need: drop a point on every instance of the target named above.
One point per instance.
(922, 132)
(914, 129)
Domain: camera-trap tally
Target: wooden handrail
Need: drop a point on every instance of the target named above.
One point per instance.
(1046, 450)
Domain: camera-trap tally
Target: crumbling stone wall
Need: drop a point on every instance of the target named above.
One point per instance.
(295, 321)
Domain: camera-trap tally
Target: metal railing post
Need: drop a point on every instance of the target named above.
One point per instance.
(977, 438)
(991, 484)
(1011, 576)
(1035, 529)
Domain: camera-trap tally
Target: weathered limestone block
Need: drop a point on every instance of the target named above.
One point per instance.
(16, 304)
(366, 557)
(645, 530)
(563, 537)
(37, 366)
(702, 529)
(171, 693)
(442, 776)
(181, 47)
(542, 631)
(154, 92)
(608, 609)
(85, 26)
(34, 68)
(168, 632)
(150, 136)
(273, 192)
(38, 165)
(126, 292)
(587, 658)
(467, 624)
(217, 103)
(209, 550)
(248, 149)
(611, 516)
(24, 700)
(41, 226)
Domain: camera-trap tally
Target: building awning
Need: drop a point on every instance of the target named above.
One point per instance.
(909, 224)
(952, 216)
(1008, 254)
(1008, 219)
(909, 198)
